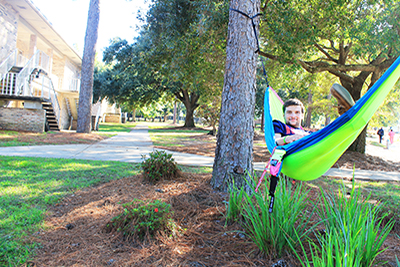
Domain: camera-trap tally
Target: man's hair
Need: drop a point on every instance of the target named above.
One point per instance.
(293, 102)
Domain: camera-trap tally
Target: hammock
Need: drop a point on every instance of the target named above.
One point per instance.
(311, 156)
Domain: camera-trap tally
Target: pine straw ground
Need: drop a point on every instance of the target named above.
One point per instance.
(76, 235)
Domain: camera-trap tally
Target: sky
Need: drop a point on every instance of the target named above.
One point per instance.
(69, 19)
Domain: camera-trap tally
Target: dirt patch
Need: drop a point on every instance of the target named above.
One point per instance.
(76, 235)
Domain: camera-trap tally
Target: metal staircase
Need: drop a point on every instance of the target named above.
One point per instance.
(31, 82)
(51, 119)
(8, 83)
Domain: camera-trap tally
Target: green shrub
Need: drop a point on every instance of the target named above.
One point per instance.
(276, 232)
(159, 166)
(141, 220)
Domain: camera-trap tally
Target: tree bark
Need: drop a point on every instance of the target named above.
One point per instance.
(262, 122)
(309, 110)
(190, 100)
(234, 151)
(89, 53)
(174, 122)
(359, 144)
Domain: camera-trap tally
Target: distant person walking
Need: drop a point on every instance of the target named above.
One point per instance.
(391, 136)
(380, 132)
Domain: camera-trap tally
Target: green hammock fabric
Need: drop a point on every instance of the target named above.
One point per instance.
(310, 157)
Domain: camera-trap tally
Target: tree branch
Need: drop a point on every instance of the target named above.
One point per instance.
(325, 53)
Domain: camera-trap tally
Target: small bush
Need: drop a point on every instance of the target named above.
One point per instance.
(158, 166)
(141, 220)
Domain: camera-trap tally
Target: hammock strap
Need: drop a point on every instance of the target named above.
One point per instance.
(272, 187)
(256, 36)
(275, 169)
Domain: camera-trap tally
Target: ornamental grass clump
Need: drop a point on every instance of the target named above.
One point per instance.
(354, 231)
(159, 166)
(234, 206)
(143, 220)
(276, 232)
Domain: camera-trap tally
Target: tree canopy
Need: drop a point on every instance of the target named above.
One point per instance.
(178, 52)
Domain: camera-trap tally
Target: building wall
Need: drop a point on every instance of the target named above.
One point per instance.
(114, 118)
(21, 119)
(8, 29)
(65, 119)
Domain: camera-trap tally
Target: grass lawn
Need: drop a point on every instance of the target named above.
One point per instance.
(116, 127)
(29, 185)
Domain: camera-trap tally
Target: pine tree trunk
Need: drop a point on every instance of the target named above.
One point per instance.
(89, 53)
(234, 151)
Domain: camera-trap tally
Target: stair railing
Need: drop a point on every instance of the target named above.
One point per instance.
(39, 61)
(7, 84)
(43, 87)
(14, 59)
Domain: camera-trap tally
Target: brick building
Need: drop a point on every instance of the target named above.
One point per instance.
(39, 72)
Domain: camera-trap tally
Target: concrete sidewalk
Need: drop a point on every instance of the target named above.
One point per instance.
(129, 147)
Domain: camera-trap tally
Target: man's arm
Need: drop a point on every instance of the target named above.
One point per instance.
(280, 141)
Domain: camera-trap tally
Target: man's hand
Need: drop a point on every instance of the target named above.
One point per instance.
(280, 141)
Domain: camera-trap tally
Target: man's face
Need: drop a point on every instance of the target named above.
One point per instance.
(293, 116)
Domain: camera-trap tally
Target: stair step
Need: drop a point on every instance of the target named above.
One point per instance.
(16, 69)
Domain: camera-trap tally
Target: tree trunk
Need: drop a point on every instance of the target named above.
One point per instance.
(189, 120)
(234, 151)
(309, 111)
(359, 144)
(189, 99)
(174, 122)
(262, 122)
(89, 53)
(134, 115)
(355, 91)
(165, 115)
(328, 118)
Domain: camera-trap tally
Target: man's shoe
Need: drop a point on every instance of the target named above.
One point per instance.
(345, 100)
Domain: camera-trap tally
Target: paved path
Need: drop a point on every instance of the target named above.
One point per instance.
(129, 147)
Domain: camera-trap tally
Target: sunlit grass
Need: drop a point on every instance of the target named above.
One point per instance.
(29, 185)
(116, 127)
(382, 191)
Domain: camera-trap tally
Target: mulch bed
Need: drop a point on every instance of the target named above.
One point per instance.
(76, 233)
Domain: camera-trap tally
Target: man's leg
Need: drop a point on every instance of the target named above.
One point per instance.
(345, 100)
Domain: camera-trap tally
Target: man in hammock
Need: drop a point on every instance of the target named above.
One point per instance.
(293, 112)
